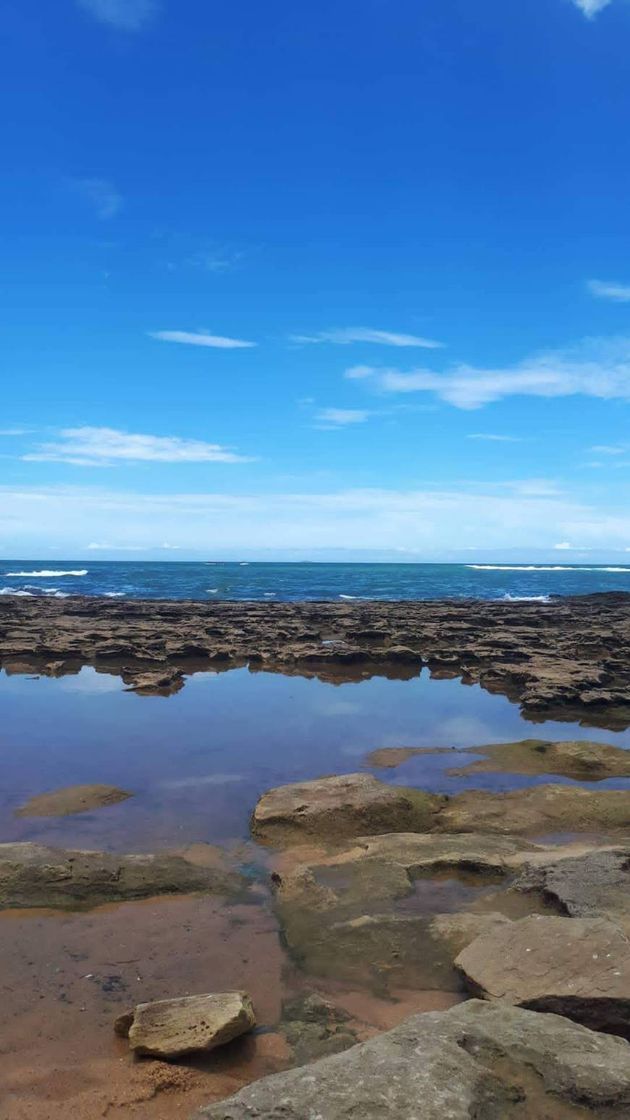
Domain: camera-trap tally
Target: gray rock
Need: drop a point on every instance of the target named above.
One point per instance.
(172, 1028)
(490, 1062)
(597, 883)
(577, 967)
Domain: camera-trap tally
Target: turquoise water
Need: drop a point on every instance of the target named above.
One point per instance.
(338, 582)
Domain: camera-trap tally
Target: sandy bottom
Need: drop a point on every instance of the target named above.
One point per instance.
(66, 977)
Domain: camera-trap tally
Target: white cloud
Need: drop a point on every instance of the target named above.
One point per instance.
(101, 195)
(591, 7)
(563, 546)
(344, 336)
(125, 15)
(597, 367)
(419, 521)
(609, 289)
(492, 438)
(202, 338)
(340, 417)
(103, 446)
(14, 431)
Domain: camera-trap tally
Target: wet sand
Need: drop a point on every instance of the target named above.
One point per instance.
(66, 978)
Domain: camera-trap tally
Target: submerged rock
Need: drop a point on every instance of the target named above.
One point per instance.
(32, 875)
(576, 967)
(172, 1028)
(388, 758)
(338, 807)
(315, 1028)
(341, 917)
(72, 799)
(581, 759)
(494, 1062)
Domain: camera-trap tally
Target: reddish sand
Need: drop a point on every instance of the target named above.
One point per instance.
(67, 976)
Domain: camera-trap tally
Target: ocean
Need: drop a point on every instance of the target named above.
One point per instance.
(286, 582)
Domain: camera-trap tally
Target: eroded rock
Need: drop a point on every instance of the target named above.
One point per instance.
(172, 1028)
(594, 884)
(338, 807)
(72, 799)
(494, 1062)
(577, 967)
(33, 875)
(314, 1027)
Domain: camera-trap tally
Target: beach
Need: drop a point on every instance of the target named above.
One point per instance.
(307, 801)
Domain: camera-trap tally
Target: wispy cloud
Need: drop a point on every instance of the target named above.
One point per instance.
(340, 417)
(101, 447)
(15, 431)
(101, 195)
(124, 15)
(598, 367)
(492, 437)
(220, 523)
(591, 7)
(345, 336)
(610, 448)
(610, 289)
(202, 338)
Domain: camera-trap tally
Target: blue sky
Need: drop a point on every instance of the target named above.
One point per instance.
(315, 280)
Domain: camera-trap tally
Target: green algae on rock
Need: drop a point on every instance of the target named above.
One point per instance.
(573, 758)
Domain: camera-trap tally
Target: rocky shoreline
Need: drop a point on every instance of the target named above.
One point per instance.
(510, 909)
(565, 659)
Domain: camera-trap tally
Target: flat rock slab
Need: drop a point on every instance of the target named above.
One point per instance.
(493, 1062)
(339, 807)
(72, 799)
(595, 884)
(32, 875)
(538, 810)
(573, 758)
(576, 967)
(172, 1028)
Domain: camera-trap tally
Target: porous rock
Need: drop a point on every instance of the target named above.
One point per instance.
(172, 1028)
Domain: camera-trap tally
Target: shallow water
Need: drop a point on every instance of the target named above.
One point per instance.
(197, 761)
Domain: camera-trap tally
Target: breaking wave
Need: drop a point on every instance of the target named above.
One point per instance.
(47, 574)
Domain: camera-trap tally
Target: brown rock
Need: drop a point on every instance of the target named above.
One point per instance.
(575, 967)
(32, 875)
(338, 807)
(581, 759)
(172, 1028)
(72, 799)
(537, 810)
(388, 758)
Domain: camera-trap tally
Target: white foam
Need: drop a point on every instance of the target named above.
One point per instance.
(348, 596)
(114, 594)
(270, 594)
(542, 568)
(212, 590)
(46, 574)
(525, 598)
(22, 593)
